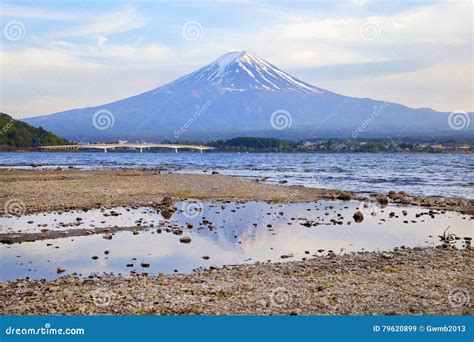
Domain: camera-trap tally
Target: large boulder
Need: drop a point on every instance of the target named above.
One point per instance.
(382, 199)
(392, 195)
(407, 200)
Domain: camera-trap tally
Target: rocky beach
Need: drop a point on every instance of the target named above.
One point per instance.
(433, 278)
(47, 190)
(431, 281)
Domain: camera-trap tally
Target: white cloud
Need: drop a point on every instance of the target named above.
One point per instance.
(438, 36)
(443, 86)
(122, 20)
(42, 60)
(102, 69)
(99, 50)
(16, 11)
(68, 76)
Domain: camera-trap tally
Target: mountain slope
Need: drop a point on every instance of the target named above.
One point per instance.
(14, 133)
(241, 94)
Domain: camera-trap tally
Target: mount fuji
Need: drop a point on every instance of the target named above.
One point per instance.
(242, 94)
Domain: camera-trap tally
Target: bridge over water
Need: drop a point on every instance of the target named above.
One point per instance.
(126, 145)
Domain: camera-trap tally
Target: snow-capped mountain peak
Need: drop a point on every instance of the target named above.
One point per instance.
(237, 95)
(243, 71)
(229, 58)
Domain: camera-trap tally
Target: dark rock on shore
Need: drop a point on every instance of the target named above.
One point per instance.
(167, 214)
(358, 216)
(185, 239)
(167, 201)
(344, 196)
(382, 199)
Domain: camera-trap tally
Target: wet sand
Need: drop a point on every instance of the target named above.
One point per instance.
(59, 190)
(428, 281)
(11, 238)
(47, 190)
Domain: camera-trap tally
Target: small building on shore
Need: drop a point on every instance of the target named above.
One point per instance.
(463, 148)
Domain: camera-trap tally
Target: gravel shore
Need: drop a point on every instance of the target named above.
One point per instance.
(71, 189)
(47, 190)
(420, 281)
(406, 281)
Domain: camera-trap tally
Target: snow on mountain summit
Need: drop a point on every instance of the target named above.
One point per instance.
(239, 92)
(242, 71)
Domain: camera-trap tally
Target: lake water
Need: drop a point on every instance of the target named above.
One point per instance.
(226, 233)
(418, 174)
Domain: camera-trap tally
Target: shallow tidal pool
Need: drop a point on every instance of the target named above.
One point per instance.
(222, 233)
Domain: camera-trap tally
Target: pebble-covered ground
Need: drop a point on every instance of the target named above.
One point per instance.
(45, 190)
(72, 189)
(406, 281)
(428, 281)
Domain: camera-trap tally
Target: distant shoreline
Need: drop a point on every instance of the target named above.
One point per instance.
(25, 150)
(266, 145)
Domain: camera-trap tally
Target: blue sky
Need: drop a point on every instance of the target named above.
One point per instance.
(58, 55)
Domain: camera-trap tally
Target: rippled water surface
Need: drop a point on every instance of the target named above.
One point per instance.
(226, 233)
(419, 174)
